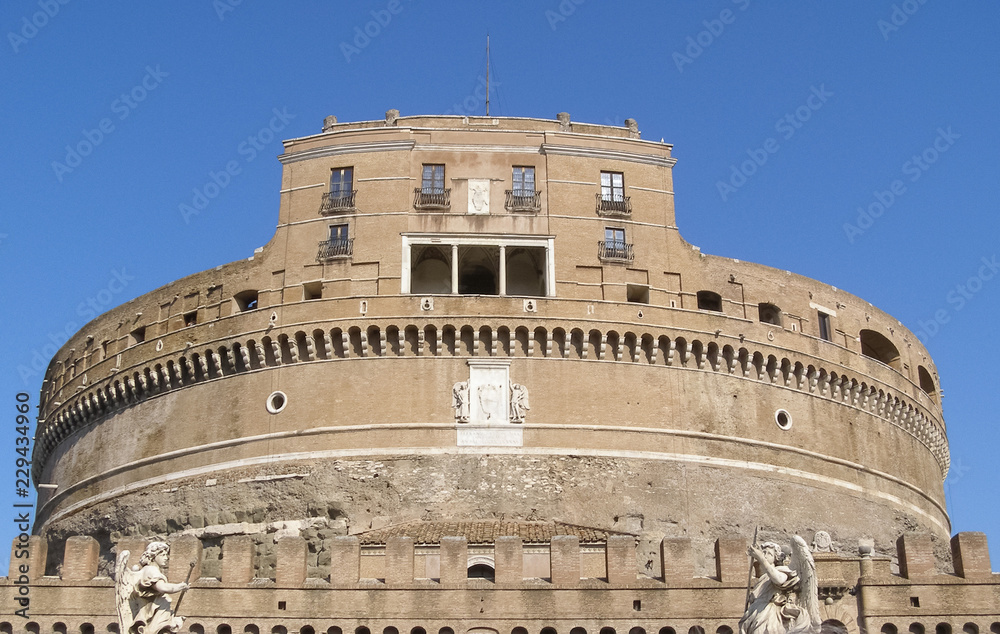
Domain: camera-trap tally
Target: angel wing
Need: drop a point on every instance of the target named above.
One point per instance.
(808, 599)
(124, 586)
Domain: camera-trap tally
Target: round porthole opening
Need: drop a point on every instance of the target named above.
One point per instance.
(783, 419)
(276, 402)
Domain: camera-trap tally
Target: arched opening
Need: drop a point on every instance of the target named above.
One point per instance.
(445, 630)
(420, 630)
(430, 271)
(390, 630)
(832, 626)
(970, 628)
(477, 270)
(251, 629)
(519, 630)
(334, 630)
(223, 628)
(696, 629)
(889, 628)
(88, 628)
(667, 630)
(769, 314)
(708, 300)
(878, 347)
(279, 629)
(526, 271)
(926, 382)
(637, 630)
(546, 630)
(59, 628)
(6, 628)
(482, 571)
(361, 629)
(724, 629)
(942, 628)
(995, 628)
(607, 630)
(246, 300)
(578, 630)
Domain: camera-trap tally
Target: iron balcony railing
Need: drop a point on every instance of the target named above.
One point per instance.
(615, 250)
(431, 199)
(337, 202)
(523, 200)
(620, 206)
(335, 248)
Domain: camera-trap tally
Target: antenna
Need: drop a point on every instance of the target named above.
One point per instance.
(487, 74)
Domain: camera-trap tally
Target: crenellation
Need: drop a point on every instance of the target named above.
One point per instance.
(730, 559)
(399, 566)
(345, 560)
(565, 561)
(291, 562)
(677, 559)
(971, 555)
(454, 560)
(916, 556)
(80, 560)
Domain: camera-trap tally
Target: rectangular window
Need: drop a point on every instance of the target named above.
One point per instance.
(613, 186)
(614, 237)
(338, 233)
(824, 327)
(341, 182)
(523, 180)
(432, 181)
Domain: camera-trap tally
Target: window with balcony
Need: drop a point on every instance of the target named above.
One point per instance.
(612, 201)
(339, 245)
(523, 196)
(432, 193)
(614, 247)
(341, 196)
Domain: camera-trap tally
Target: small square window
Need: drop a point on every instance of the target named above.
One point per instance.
(190, 319)
(637, 293)
(312, 290)
(914, 602)
(708, 300)
(138, 335)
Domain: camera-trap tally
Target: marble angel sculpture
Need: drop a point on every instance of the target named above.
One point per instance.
(784, 599)
(140, 593)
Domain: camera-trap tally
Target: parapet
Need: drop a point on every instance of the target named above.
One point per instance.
(436, 587)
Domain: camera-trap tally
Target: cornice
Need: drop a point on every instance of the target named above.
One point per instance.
(603, 153)
(351, 148)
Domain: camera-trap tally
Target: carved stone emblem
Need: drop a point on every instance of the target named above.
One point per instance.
(479, 196)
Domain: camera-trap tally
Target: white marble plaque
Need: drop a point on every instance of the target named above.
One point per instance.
(490, 436)
(479, 196)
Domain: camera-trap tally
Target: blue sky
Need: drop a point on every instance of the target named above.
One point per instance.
(887, 107)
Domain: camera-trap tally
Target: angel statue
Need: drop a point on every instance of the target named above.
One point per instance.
(518, 402)
(784, 599)
(140, 593)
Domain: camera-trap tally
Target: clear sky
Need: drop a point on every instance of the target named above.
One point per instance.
(114, 113)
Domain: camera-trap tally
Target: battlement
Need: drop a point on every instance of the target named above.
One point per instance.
(437, 584)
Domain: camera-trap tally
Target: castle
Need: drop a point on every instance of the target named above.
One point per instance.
(477, 381)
